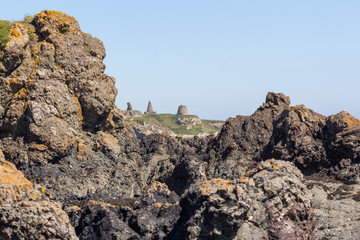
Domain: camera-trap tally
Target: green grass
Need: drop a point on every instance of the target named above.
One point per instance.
(4, 32)
(168, 121)
(5, 29)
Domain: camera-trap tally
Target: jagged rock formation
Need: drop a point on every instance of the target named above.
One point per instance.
(26, 212)
(268, 202)
(59, 125)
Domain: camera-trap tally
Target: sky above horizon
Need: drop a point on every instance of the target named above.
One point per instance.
(220, 58)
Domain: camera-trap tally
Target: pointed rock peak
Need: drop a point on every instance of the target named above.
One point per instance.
(277, 99)
(342, 121)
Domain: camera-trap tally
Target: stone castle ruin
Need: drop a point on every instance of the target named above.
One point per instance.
(150, 109)
(182, 110)
(129, 106)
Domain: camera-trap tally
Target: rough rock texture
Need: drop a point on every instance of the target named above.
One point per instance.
(243, 138)
(336, 208)
(152, 216)
(59, 125)
(276, 130)
(268, 202)
(26, 212)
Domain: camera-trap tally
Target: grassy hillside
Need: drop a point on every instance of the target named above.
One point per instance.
(179, 124)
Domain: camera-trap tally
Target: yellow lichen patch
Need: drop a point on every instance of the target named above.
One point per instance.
(251, 182)
(82, 149)
(158, 205)
(62, 21)
(13, 184)
(38, 147)
(213, 185)
(102, 204)
(157, 186)
(79, 113)
(297, 108)
(21, 94)
(13, 81)
(18, 34)
(75, 208)
(350, 121)
(244, 179)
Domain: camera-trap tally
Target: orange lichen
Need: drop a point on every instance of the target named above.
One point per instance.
(244, 179)
(157, 186)
(102, 204)
(79, 113)
(21, 94)
(158, 205)
(13, 184)
(213, 185)
(19, 33)
(82, 149)
(62, 21)
(350, 121)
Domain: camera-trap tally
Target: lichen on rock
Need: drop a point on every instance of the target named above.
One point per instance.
(26, 212)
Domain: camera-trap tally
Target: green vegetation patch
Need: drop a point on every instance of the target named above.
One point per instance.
(4, 32)
(5, 29)
(169, 121)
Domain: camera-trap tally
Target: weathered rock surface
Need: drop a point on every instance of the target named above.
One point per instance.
(26, 212)
(152, 216)
(276, 130)
(336, 208)
(269, 202)
(59, 125)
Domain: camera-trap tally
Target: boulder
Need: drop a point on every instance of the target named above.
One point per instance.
(26, 211)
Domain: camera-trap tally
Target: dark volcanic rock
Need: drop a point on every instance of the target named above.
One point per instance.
(26, 212)
(243, 138)
(269, 202)
(298, 137)
(297, 134)
(152, 216)
(59, 125)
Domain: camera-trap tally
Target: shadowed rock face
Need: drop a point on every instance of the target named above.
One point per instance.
(59, 126)
(268, 202)
(26, 212)
(59, 123)
(297, 134)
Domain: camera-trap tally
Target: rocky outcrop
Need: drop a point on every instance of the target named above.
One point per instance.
(313, 142)
(336, 207)
(59, 125)
(268, 202)
(26, 212)
(152, 216)
(242, 139)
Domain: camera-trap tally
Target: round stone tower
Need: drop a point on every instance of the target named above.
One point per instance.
(182, 110)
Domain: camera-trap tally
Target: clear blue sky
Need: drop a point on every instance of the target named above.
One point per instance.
(220, 58)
